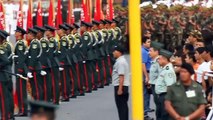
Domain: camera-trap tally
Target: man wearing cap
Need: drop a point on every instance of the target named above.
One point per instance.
(20, 59)
(42, 110)
(88, 55)
(79, 56)
(120, 81)
(74, 60)
(194, 36)
(166, 78)
(34, 65)
(155, 69)
(53, 57)
(45, 62)
(64, 62)
(4, 78)
(185, 100)
(8, 46)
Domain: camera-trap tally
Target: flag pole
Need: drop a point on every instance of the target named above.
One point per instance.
(135, 55)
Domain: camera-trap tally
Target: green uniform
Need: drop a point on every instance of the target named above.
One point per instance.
(4, 77)
(34, 67)
(46, 66)
(53, 56)
(21, 68)
(185, 99)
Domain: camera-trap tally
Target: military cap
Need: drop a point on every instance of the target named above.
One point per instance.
(3, 36)
(86, 24)
(5, 33)
(39, 28)
(103, 22)
(76, 25)
(90, 24)
(21, 30)
(95, 22)
(47, 27)
(31, 30)
(109, 21)
(166, 53)
(116, 21)
(38, 107)
(63, 27)
(157, 45)
(69, 26)
(196, 34)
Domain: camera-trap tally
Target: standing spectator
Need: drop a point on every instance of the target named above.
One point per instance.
(184, 99)
(166, 78)
(188, 48)
(120, 79)
(155, 69)
(146, 41)
(194, 36)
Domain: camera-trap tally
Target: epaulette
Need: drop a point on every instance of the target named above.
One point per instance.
(167, 67)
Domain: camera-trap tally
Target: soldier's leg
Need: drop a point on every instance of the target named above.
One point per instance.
(90, 75)
(85, 74)
(63, 84)
(24, 93)
(80, 83)
(4, 102)
(108, 74)
(18, 91)
(40, 85)
(10, 98)
(68, 81)
(74, 82)
(55, 85)
(101, 73)
(94, 75)
(48, 86)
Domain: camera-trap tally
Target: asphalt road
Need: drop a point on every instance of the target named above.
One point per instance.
(98, 105)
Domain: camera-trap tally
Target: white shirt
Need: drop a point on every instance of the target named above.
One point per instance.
(120, 67)
(204, 67)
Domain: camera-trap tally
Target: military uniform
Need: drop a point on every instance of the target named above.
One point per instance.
(64, 64)
(54, 71)
(34, 66)
(4, 77)
(166, 78)
(185, 99)
(20, 60)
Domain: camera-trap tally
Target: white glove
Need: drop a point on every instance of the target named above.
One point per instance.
(43, 73)
(14, 56)
(61, 69)
(29, 75)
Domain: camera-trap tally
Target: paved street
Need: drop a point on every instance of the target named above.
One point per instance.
(98, 105)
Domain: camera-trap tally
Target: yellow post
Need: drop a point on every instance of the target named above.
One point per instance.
(135, 55)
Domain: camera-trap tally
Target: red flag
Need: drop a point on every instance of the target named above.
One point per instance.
(29, 15)
(51, 14)
(89, 9)
(20, 15)
(2, 18)
(83, 10)
(59, 14)
(98, 7)
(39, 15)
(111, 10)
(70, 12)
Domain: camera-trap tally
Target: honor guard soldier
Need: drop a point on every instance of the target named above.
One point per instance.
(8, 46)
(34, 65)
(4, 77)
(42, 110)
(20, 60)
(88, 54)
(46, 64)
(64, 63)
(166, 78)
(74, 61)
(79, 56)
(53, 57)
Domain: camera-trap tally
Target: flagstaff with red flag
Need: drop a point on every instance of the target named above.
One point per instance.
(97, 15)
(111, 10)
(29, 15)
(39, 15)
(20, 15)
(70, 14)
(59, 14)
(2, 17)
(51, 14)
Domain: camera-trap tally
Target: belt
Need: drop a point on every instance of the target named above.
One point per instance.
(161, 94)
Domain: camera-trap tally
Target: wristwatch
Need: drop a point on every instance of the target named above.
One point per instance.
(186, 118)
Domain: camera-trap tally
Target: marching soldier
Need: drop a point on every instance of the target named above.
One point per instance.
(53, 57)
(34, 65)
(20, 52)
(64, 63)
(8, 46)
(45, 62)
(79, 56)
(4, 77)
(74, 60)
